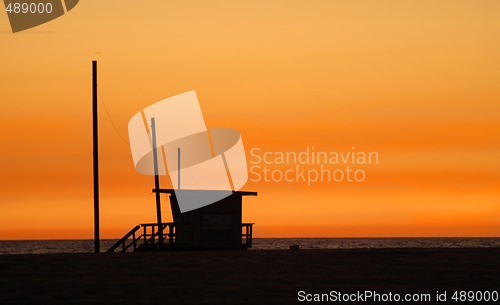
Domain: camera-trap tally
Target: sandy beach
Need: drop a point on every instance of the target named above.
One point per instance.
(240, 277)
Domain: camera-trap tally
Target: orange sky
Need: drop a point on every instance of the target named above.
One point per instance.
(415, 81)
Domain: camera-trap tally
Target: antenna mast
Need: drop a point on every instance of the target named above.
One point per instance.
(157, 185)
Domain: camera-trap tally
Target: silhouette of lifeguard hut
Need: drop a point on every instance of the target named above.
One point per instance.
(170, 137)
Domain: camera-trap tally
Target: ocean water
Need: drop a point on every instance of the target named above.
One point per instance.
(356, 243)
(87, 246)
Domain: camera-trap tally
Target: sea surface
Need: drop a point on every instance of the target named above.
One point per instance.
(87, 246)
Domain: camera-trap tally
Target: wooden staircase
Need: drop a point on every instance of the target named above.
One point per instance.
(149, 239)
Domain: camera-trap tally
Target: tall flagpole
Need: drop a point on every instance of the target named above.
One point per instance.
(96, 156)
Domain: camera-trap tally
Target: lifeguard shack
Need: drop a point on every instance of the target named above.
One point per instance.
(170, 138)
(216, 226)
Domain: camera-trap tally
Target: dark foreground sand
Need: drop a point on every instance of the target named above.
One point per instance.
(240, 277)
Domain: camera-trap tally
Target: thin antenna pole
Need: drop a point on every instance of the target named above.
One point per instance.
(96, 157)
(178, 168)
(157, 185)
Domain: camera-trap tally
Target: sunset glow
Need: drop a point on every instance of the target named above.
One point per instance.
(414, 84)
